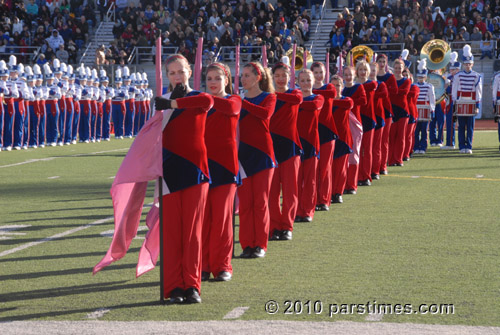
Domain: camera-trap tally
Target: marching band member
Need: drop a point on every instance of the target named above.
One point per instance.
(380, 99)
(66, 119)
(77, 94)
(5, 111)
(22, 82)
(307, 125)
(343, 147)
(400, 115)
(467, 86)
(105, 96)
(139, 102)
(39, 93)
(257, 160)
(85, 109)
(413, 116)
(118, 103)
(357, 93)
(287, 149)
(392, 86)
(149, 95)
(427, 98)
(222, 151)
(129, 103)
(101, 98)
(186, 175)
(92, 82)
(62, 84)
(69, 79)
(52, 94)
(450, 118)
(19, 105)
(368, 122)
(31, 104)
(327, 136)
(496, 101)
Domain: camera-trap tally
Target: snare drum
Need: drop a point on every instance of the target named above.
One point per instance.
(424, 113)
(497, 108)
(465, 108)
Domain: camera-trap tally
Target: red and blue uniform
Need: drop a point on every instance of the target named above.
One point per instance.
(358, 95)
(327, 137)
(222, 149)
(392, 86)
(412, 120)
(343, 145)
(401, 113)
(257, 162)
(307, 125)
(287, 149)
(369, 122)
(186, 176)
(380, 98)
(450, 124)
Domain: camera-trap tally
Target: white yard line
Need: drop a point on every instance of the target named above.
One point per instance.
(235, 313)
(53, 177)
(98, 313)
(29, 161)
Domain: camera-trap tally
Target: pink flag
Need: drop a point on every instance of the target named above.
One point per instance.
(292, 66)
(357, 134)
(237, 70)
(198, 64)
(264, 56)
(327, 66)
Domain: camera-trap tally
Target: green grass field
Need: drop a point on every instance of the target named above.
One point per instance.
(428, 233)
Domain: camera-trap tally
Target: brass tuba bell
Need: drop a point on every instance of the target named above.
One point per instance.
(360, 52)
(299, 58)
(437, 53)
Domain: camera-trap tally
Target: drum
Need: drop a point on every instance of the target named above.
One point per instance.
(497, 108)
(424, 113)
(465, 108)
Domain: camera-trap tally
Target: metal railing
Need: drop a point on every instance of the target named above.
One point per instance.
(110, 14)
(26, 57)
(318, 24)
(110, 17)
(141, 55)
(475, 47)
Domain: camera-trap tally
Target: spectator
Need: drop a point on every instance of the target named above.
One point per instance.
(476, 34)
(62, 54)
(100, 56)
(72, 53)
(41, 60)
(486, 46)
(480, 25)
(337, 40)
(55, 40)
(464, 33)
(32, 9)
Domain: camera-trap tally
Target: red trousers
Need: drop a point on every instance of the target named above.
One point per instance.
(397, 141)
(284, 182)
(339, 174)
(307, 187)
(254, 209)
(217, 232)
(183, 221)
(324, 173)
(385, 144)
(410, 139)
(377, 150)
(366, 156)
(352, 177)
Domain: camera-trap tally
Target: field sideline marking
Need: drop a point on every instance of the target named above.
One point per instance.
(447, 178)
(98, 313)
(29, 161)
(235, 313)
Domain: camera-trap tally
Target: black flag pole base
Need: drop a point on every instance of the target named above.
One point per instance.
(160, 202)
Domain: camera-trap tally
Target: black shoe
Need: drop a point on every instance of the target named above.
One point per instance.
(397, 164)
(406, 159)
(205, 276)
(299, 219)
(275, 236)
(258, 252)
(247, 253)
(384, 172)
(223, 276)
(350, 191)
(286, 235)
(365, 182)
(307, 219)
(337, 199)
(375, 176)
(192, 296)
(177, 296)
(322, 207)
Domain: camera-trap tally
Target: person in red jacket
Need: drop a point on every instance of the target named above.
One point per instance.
(186, 176)
(287, 149)
(412, 120)
(257, 161)
(357, 93)
(222, 150)
(368, 122)
(380, 99)
(343, 146)
(392, 86)
(327, 136)
(401, 113)
(307, 125)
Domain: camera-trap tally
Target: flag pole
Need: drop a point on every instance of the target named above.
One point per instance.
(159, 91)
(292, 66)
(198, 66)
(264, 56)
(237, 68)
(327, 66)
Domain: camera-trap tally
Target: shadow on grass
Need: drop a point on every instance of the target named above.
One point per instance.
(47, 257)
(67, 209)
(70, 237)
(67, 218)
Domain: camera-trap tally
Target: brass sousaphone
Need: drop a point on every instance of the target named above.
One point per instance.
(437, 53)
(299, 58)
(360, 52)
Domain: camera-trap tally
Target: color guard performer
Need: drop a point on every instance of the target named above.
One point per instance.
(119, 109)
(222, 151)
(327, 136)
(450, 118)
(466, 93)
(53, 94)
(105, 95)
(287, 149)
(257, 160)
(186, 177)
(426, 103)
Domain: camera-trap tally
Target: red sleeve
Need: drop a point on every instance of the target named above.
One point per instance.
(329, 92)
(345, 103)
(359, 97)
(414, 91)
(294, 97)
(404, 88)
(392, 84)
(381, 91)
(201, 102)
(230, 106)
(263, 111)
(313, 105)
(370, 86)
